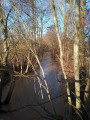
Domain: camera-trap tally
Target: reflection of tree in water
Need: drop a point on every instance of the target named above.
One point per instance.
(24, 91)
(6, 78)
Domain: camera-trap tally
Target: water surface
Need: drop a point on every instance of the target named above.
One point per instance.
(27, 93)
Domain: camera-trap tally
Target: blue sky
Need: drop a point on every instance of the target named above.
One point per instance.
(47, 19)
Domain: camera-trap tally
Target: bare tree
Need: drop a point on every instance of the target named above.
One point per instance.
(3, 21)
(76, 55)
(61, 57)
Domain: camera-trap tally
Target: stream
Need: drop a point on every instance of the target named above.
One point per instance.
(26, 100)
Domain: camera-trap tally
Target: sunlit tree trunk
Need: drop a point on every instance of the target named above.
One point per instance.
(21, 67)
(61, 57)
(76, 54)
(28, 57)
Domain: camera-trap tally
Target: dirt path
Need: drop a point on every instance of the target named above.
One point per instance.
(24, 95)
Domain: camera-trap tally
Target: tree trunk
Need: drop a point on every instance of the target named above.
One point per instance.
(21, 67)
(87, 89)
(82, 37)
(3, 21)
(4, 58)
(76, 55)
(61, 57)
(41, 21)
(28, 57)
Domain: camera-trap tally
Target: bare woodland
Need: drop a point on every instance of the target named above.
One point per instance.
(29, 29)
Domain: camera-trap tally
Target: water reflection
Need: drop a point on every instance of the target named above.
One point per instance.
(51, 74)
(24, 94)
